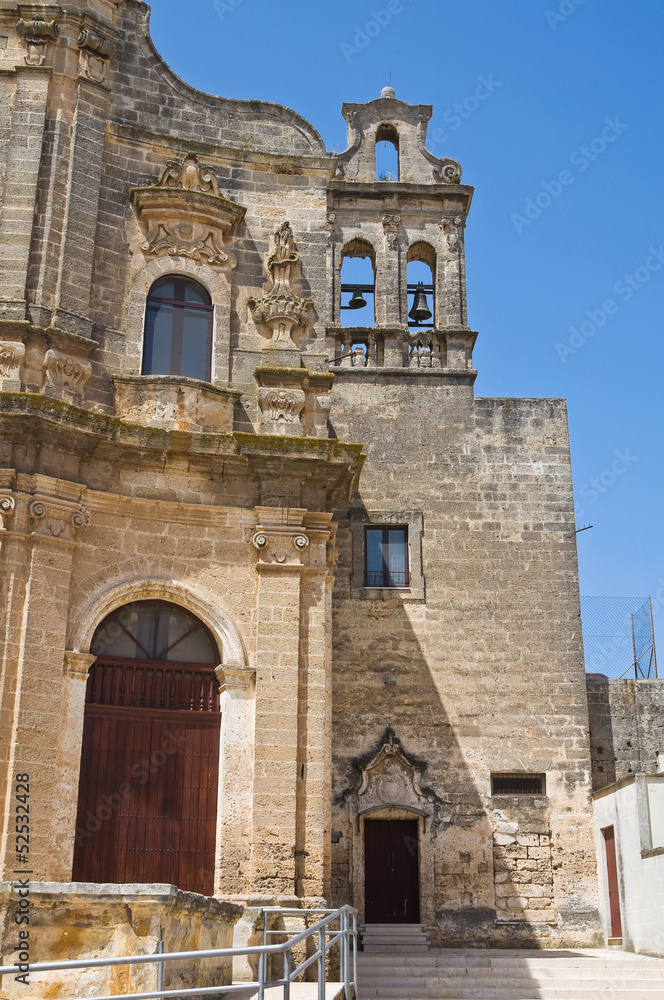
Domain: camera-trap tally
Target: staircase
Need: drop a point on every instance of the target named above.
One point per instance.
(385, 971)
(406, 939)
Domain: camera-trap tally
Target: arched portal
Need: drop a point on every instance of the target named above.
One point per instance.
(148, 784)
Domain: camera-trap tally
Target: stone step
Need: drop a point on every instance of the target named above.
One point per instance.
(542, 976)
(525, 992)
(438, 958)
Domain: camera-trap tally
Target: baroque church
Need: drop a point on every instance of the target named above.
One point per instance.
(290, 616)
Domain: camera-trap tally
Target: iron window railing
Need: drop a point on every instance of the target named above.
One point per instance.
(386, 557)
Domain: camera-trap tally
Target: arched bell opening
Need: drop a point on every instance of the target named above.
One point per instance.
(421, 286)
(387, 153)
(148, 786)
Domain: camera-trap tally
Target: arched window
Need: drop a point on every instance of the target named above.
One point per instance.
(178, 329)
(148, 784)
(387, 153)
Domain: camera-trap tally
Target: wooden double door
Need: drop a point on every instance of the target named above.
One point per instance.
(148, 784)
(391, 871)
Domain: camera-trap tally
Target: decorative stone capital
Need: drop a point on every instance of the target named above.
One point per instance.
(12, 353)
(66, 372)
(7, 506)
(282, 405)
(391, 225)
(77, 665)
(56, 517)
(452, 227)
(278, 545)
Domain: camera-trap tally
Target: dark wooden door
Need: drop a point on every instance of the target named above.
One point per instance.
(149, 775)
(612, 872)
(391, 871)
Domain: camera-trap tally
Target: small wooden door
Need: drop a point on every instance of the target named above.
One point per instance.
(391, 871)
(612, 873)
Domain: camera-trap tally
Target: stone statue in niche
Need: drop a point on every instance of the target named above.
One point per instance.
(281, 310)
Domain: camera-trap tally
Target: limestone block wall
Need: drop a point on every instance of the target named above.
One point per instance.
(479, 671)
(76, 920)
(626, 727)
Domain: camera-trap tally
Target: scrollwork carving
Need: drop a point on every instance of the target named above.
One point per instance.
(391, 225)
(282, 404)
(66, 372)
(95, 54)
(12, 354)
(188, 174)
(162, 242)
(282, 546)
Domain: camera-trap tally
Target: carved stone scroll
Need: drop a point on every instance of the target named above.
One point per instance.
(66, 372)
(12, 354)
(95, 55)
(37, 34)
(183, 214)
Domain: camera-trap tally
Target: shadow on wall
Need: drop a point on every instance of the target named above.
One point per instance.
(396, 751)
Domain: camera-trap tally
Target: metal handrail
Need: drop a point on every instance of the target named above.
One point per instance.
(346, 935)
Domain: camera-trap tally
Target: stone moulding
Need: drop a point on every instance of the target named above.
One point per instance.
(183, 215)
(174, 402)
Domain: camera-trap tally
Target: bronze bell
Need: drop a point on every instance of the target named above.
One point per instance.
(358, 301)
(420, 311)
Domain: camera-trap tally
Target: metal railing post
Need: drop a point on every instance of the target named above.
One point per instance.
(287, 973)
(321, 964)
(354, 947)
(160, 968)
(345, 954)
(262, 961)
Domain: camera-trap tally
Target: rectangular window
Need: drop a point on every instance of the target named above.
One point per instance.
(518, 784)
(386, 557)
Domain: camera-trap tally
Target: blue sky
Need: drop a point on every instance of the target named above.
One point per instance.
(563, 142)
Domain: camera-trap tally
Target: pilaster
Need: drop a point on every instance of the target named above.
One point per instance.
(48, 516)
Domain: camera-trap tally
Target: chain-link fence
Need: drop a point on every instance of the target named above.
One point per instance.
(618, 636)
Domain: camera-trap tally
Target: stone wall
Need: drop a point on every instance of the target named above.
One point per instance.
(481, 671)
(626, 727)
(75, 920)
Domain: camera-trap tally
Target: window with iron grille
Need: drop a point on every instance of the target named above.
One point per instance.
(386, 557)
(518, 784)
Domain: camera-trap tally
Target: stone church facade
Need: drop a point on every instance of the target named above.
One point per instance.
(208, 677)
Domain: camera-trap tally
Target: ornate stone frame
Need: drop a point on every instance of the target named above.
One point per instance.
(390, 774)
